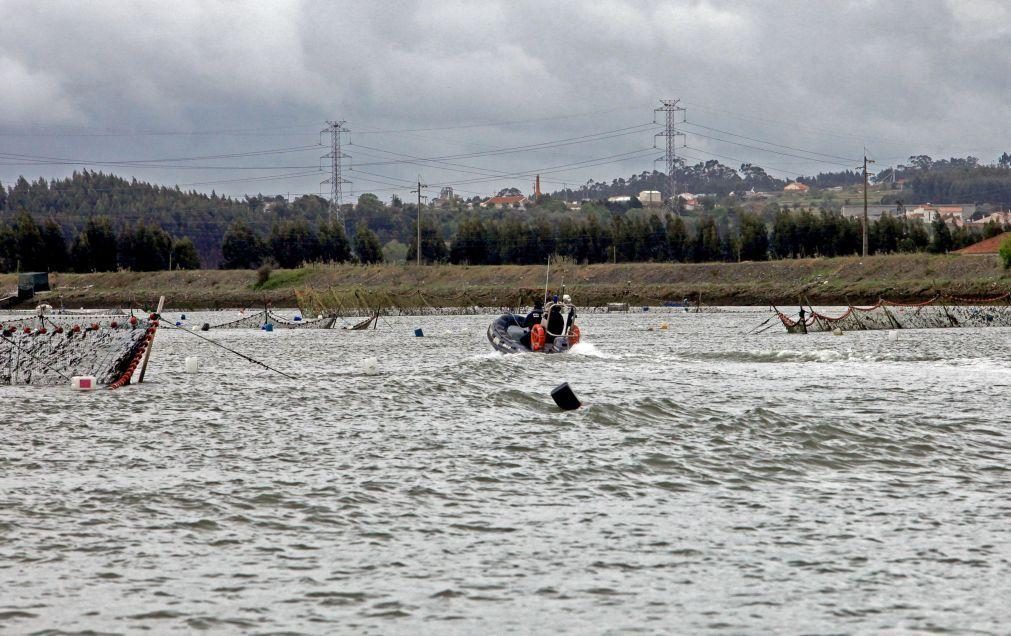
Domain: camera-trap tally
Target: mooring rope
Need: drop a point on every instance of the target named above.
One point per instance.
(218, 344)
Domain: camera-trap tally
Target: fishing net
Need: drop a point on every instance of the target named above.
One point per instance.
(57, 349)
(938, 312)
(259, 318)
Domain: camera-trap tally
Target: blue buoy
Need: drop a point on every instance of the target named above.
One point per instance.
(179, 324)
(298, 318)
(419, 333)
(268, 327)
(645, 308)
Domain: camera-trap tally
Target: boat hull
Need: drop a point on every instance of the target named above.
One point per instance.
(505, 334)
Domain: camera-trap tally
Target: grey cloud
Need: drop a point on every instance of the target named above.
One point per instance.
(830, 77)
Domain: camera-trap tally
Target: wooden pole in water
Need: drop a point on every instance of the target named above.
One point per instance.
(150, 345)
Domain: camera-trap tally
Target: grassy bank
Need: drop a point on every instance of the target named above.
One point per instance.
(823, 281)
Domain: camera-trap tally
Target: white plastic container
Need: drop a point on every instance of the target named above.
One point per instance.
(370, 366)
(83, 383)
(192, 364)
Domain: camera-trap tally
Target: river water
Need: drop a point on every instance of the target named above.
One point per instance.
(713, 482)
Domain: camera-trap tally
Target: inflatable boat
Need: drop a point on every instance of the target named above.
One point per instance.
(508, 335)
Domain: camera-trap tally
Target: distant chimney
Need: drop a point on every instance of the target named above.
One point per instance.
(537, 188)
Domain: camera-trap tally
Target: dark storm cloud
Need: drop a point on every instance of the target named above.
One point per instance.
(830, 77)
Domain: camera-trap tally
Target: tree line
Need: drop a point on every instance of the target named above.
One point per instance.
(637, 236)
(93, 221)
(742, 236)
(25, 245)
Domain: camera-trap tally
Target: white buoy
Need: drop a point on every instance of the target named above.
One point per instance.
(196, 328)
(370, 366)
(192, 364)
(837, 331)
(893, 334)
(83, 383)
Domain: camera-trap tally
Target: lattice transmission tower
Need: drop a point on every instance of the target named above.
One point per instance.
(674, 116)
(336, 181)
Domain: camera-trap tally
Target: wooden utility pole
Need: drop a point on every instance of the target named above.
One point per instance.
(420, 186)
(866, 161)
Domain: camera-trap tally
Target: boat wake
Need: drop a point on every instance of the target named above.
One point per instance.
(588, 349)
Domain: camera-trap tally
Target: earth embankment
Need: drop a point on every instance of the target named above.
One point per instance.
(850, 280)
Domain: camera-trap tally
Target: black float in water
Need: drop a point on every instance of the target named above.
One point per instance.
(205, 327)
(418, 333)
(565, 398)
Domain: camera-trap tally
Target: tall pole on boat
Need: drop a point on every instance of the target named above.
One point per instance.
(547, 275)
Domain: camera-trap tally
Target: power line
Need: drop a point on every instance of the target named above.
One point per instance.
(45, 160)
(790, 173)
(497, 124)
(769, 143)
(599, 136)
(105, 132)
(776, 152)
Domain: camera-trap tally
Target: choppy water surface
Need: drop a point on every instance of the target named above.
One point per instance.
(715, 482)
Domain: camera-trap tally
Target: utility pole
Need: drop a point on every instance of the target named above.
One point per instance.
(420, 186)
(336, 180)
(671, 109)
(866, 161)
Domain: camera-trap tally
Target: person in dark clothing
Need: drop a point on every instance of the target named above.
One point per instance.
(534, 317)
(555, 321)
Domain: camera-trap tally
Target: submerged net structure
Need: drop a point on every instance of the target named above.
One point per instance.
(257, 319)
(938, 312)
(50, 350)
(361, 301)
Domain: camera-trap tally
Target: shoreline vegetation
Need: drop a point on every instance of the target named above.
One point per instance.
(821, 281)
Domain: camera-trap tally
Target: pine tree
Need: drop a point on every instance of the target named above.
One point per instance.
(470, 245)
(433, 247)
(55, 247)
(293, 243)
(241, 247)
(8, 249)
(334, 244)
(677, 238)
(367, 245)
(941, 242)
(184, 254)
(707, 245)
(754, 239)
(28, 243)
(81, 258)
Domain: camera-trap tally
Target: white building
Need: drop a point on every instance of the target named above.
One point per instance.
(650, 198)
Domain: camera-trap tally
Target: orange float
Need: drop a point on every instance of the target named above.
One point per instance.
(537, 337)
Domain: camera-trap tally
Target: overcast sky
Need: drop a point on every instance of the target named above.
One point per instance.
(162, 87)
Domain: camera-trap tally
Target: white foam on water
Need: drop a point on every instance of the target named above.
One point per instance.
(588, 349)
